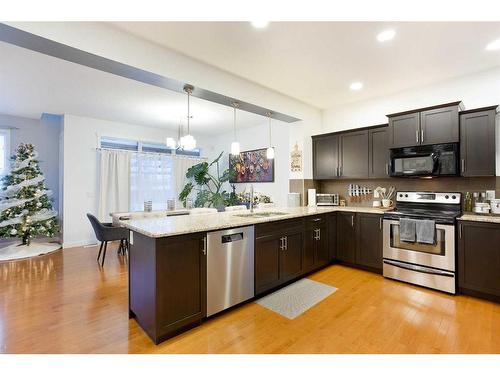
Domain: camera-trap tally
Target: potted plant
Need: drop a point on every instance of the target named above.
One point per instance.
(208, 187)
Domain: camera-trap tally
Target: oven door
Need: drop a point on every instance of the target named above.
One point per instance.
(441, 255)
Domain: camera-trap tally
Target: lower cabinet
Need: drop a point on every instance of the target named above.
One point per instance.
(359, 240)
(316, 252)
(157, 269)
(479, 259)
(369, 241)
(346, 237)
(332, 236)
(278, 253)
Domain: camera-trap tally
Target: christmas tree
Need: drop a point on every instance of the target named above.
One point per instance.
(25, 207)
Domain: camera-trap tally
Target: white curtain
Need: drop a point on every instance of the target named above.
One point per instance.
(151, 179)
(114, 182)
(181, 164)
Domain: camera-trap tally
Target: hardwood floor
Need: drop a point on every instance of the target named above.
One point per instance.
(64, 303)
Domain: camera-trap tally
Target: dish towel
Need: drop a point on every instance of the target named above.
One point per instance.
(407, 229)
(426, 231)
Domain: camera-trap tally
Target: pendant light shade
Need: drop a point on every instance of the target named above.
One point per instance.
(235, 145)
(188, 142)
(171, 143)
(270, 149)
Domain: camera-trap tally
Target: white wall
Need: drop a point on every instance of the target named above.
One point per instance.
(476, 90)
(255, 138)
(80, 194)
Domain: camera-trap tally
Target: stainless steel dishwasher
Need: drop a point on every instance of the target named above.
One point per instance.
(230, 268)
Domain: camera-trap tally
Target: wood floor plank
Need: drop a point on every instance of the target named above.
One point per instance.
(65, 303)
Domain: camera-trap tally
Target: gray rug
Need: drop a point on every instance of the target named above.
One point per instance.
(296, 298)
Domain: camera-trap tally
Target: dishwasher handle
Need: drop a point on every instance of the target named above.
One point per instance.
(228, 238)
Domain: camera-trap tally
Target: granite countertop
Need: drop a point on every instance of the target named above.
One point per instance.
(485, 218)
(176, 225)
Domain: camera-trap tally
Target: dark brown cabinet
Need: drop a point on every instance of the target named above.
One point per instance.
(425, 126)
(278, 253)
(439, 125)
(316, 252)
(354, 154)
(167, 283)
(479, 259)
(477, 142)
(326, 157)
(378, 160)
(346, 237)
(332, 236)
(369, 241)
(404, 130)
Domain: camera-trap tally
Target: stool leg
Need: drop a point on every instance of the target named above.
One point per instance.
(120, 248)
(100, 250)
(104, 254)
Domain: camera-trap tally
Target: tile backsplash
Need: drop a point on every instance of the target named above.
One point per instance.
(452, 184)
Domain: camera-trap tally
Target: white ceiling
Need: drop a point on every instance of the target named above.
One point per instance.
(316, 61)
(32, 83)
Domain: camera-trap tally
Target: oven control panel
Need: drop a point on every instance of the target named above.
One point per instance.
(428, 197)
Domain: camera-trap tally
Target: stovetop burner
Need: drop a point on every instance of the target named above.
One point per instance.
(444, 208)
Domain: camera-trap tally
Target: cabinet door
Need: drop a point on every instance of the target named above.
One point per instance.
(369, 240)
(321, 252)
(479, 257)
(180, 282)
(477, 143)
(326, 157)
(354, 154)
(291, 257)
(439, 125)
(404, 130)
(309, 248)
(346, 240)
(332, 237)
(267, 263)
(379, 153)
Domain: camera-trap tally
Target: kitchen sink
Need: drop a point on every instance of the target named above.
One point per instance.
(261, 214)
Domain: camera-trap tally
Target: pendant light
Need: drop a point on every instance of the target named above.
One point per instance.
(270, 149)
(173, 143)
(235, 145)
(188, 142)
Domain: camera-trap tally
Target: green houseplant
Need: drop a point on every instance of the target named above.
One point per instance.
(208, 187)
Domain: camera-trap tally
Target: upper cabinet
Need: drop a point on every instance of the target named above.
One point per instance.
(326, 157)
(378, 159)
(426, 126)
(354, 154)
(477, 142)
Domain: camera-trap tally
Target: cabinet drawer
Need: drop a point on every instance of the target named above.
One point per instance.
(278, 227)
(315, 221)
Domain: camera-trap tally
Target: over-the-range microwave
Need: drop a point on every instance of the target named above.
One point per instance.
(425, 161)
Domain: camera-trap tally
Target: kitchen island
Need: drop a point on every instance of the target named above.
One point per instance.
(168, 262)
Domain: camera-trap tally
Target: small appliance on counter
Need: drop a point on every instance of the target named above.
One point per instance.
(327, 199)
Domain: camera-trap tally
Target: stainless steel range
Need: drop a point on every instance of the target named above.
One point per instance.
(429, 263)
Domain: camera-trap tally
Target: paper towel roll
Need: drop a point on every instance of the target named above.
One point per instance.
(311, 197)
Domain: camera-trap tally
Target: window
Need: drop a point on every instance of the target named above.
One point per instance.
(4, 151)
(132, 145)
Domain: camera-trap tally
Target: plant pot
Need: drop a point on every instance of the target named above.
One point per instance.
(220, 208)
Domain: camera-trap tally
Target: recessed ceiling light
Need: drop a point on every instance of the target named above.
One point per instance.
(356, 86)
(386, 35)
(260, 24)
(493, 46)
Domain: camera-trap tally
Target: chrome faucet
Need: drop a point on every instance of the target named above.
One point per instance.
(251, 198)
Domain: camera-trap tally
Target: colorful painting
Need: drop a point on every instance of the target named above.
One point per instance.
(252, 166)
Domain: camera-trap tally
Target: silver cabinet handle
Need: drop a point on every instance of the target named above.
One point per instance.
(417, 135)
(282, 243)
(340, 171)
(286, 242)
(460, 231)
(387, 169)
(319, 234)
(352, 221)
(204, 249)
(380, 223)
(422, 136)
(463, 165)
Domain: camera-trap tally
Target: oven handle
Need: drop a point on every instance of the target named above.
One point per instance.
(422, 269)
